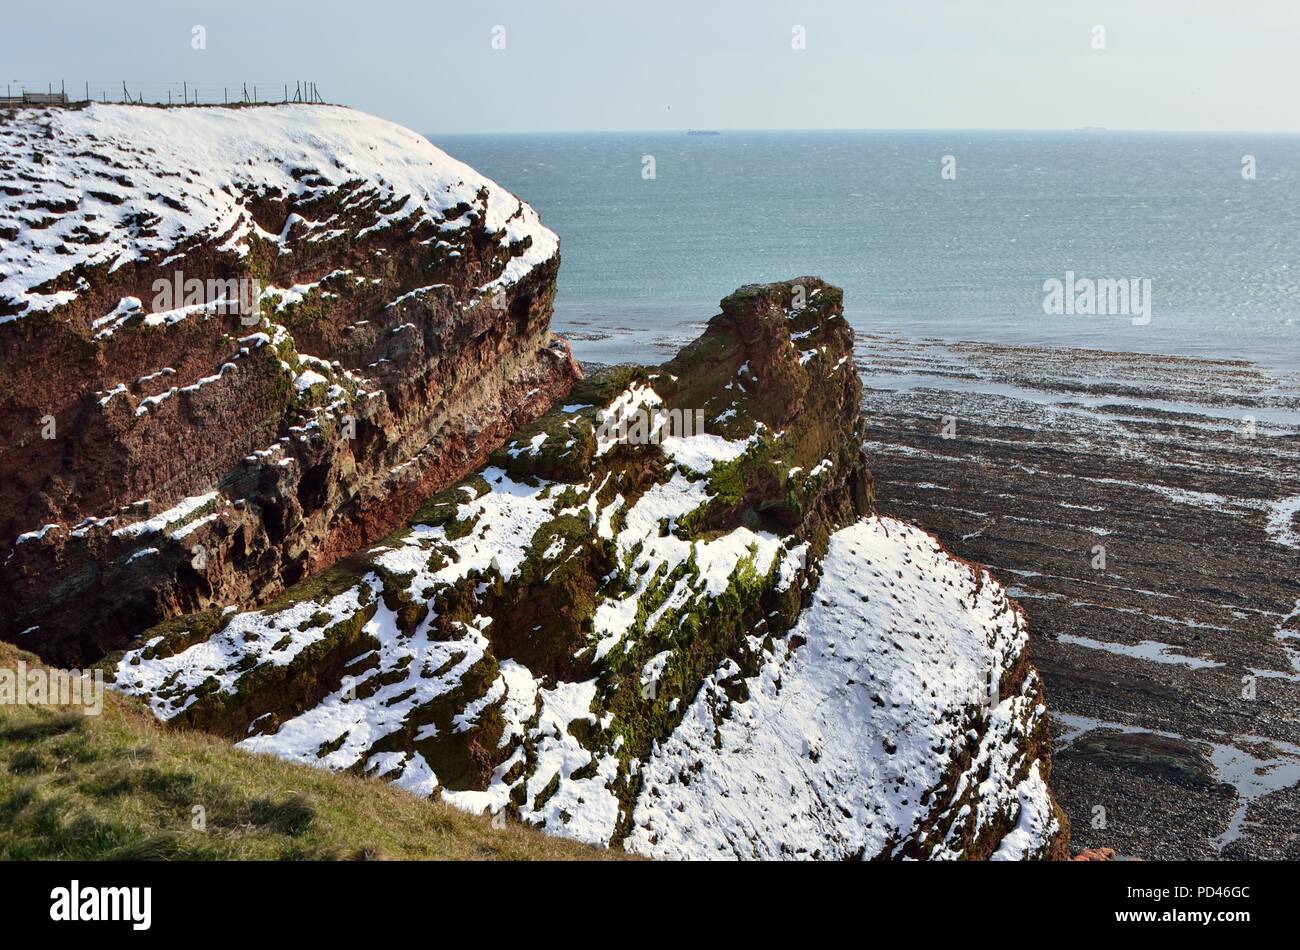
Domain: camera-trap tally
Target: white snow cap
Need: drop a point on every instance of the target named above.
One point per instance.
(185, 170)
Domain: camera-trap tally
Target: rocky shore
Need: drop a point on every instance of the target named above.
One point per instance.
(1143, 511)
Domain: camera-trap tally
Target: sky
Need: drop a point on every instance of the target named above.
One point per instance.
(1204, 65)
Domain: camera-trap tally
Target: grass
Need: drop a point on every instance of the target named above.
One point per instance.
(122, 786)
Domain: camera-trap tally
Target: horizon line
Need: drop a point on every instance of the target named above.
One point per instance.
(1062, 129)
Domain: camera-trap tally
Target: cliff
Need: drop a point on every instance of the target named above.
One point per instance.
(663, 617)
(237, 344)
(286, 435)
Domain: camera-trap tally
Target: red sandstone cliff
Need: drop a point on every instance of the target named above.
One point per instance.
(166, 443)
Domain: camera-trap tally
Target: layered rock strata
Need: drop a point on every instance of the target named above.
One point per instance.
(238, 344)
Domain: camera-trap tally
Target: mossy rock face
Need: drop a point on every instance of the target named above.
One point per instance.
(556, 447)
(181, 632)
(282, 691)
(540, 629)
(548, 608)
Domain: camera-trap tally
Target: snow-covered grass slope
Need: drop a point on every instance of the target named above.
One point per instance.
(107, 185)
(124, 789)
(842, 743)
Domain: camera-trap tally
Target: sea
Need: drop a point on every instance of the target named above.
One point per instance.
(933, 235)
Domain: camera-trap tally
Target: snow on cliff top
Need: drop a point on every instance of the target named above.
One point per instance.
(76, 183)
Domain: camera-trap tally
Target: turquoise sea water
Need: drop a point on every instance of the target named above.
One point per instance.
(645, 261)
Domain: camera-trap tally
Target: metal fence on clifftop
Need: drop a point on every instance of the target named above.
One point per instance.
(61, 93)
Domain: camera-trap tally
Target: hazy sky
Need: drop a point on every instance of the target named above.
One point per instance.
(671, 64)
